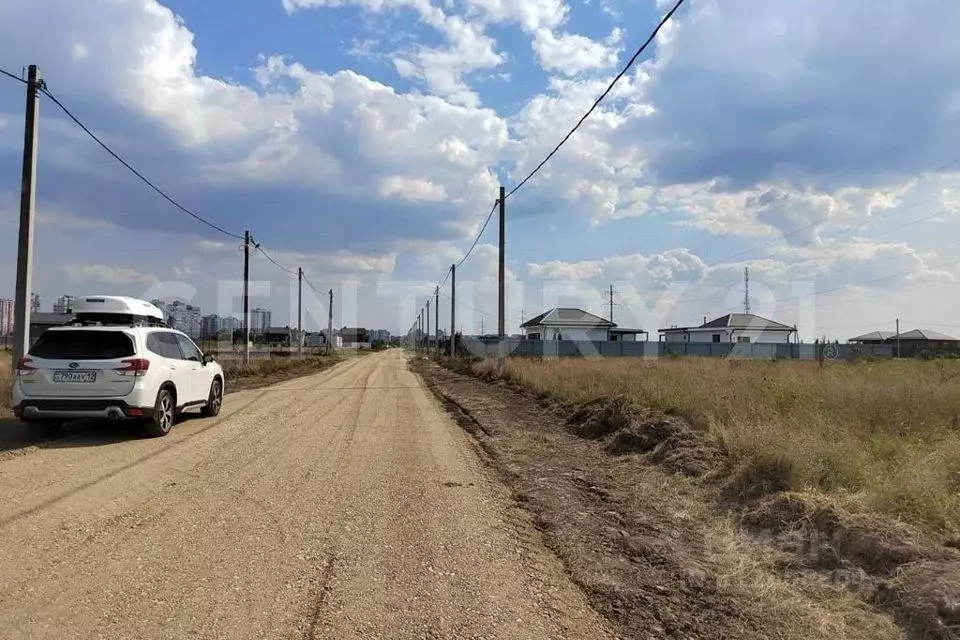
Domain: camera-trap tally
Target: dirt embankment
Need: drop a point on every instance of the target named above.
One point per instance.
(670, 538)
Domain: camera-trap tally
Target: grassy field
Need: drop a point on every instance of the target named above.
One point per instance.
(239, 375)
(6, 371)
(881, 436)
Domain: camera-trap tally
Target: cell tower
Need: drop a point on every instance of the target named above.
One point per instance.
(746, 290)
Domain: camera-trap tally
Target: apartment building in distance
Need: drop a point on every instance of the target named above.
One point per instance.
(182, 316)
(379, 335)
(64, 304)
(213, 325)
(260, 320)
(6, 316)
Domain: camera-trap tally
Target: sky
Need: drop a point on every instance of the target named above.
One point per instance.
(365, 141)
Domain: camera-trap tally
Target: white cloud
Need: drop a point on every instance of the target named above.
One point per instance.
(79, 51)
(530, 14)
(101, 273)
(804, 148)
(572, 54)
(559, 270)
(441, 68)
(416, 189)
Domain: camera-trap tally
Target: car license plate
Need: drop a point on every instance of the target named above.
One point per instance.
(74, 376)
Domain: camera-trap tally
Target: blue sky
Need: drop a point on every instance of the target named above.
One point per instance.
(365, 141)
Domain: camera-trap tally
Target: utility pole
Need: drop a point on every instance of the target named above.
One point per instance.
(300, 312)
(898, 337)
(427, 345)
(330, 324)
(436, 317)
(246, 295)
(746, 290)
(502, 318)
(453, 310)
(611, 303)
(28, 198)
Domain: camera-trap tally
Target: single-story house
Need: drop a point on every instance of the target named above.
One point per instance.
(40, 322)
(911, 344)
(623, 334)
(567, 324)
(874, 337)
(732, 328)
(279, 337)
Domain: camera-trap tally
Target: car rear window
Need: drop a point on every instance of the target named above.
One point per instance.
(83, 345)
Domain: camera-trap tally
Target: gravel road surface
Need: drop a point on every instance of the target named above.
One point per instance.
(341, 505)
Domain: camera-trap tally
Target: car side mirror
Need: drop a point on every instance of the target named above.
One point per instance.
(207, 359)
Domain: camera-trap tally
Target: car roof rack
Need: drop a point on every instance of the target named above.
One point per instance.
(114, 320)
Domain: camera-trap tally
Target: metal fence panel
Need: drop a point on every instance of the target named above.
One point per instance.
(491, 348)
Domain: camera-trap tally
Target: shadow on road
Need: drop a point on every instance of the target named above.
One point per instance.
(15, 434)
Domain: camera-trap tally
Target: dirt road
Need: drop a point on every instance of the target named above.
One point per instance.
(341, 505)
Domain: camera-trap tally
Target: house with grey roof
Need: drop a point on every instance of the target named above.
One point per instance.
(874, 337)
(40, 322)
(737, 328)
(911, 344)
(567, 324)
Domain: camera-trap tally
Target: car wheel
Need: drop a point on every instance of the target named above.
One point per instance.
(164, 412)
(214, 400)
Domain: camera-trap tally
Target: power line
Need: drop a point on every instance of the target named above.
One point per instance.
(902, 274)
(479, 235)
(825, 218)
(126, 164)
(929, 324)
(467, 304)
(473, 246)
(15, 77)
(270, 258)
(603, 95)
(310, 284)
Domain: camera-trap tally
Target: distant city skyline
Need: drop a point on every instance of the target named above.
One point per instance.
(64, 304)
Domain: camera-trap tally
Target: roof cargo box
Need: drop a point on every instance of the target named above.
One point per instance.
(116, 310)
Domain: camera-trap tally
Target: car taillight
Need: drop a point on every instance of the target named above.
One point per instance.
(24, 367)
(134, 367)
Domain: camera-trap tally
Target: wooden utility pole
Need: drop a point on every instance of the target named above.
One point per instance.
(453, 310)
(330, 324)
(28, 198)
(502, 316)
(300, 312)
(898, 337)
(246, 295)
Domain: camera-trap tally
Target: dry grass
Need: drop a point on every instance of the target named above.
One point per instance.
(882, 436)
(6, 383)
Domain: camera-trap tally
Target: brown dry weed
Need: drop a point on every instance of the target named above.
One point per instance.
(882, 436)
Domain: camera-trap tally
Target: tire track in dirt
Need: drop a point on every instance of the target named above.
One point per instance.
(49, 502)
(343, 505)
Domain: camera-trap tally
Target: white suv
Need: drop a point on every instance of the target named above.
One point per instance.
(117, 362)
